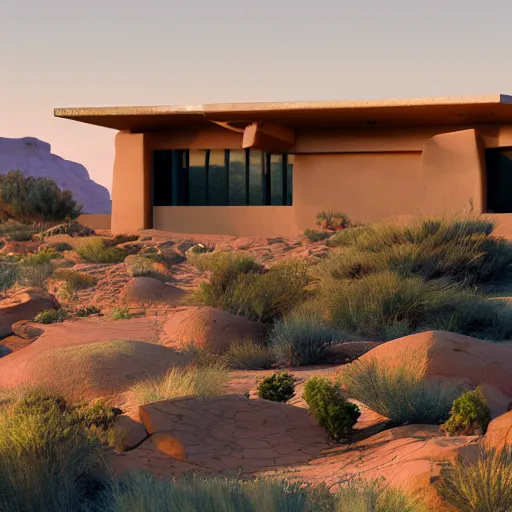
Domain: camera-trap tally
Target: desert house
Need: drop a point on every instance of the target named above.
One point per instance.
(267, 168)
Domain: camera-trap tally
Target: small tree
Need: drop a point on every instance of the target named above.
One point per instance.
(36, 198)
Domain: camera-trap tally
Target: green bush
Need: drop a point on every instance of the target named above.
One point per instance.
(51, 316)
(484, 485)
(469, 415)
(457, 248)
(279, 387)
(400, 393)
(330, 408)
(62, 246)
(386, 306)
(42, 257)
(301, 339)
(49, 460)
(249, 355)
(36, 198)
(21, 236)
(143, 492)
(9, 275)
(85, 311)
(121, 313)
(316, 236)
(94, 250)
(120, 239)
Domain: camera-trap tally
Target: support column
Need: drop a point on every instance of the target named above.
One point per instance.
(131, 208)
(452, 174)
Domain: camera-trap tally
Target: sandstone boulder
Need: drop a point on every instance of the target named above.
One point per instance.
(13, 344)
(210, 328)
(148, 290)
(499, 432)
(20, 248)
(456, 358)
(23, 305)
(26, 330)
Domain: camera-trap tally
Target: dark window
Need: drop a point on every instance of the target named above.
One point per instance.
(499, 180)
(221, 178)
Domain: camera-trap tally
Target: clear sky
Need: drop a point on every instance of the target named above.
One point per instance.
(65, 53)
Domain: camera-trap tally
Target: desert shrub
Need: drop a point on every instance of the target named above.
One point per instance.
(484, 485)
(143, 266)
(316, 236)
(62, 246)
(35, 276)
(301, 339)
(400, 393)
(85, 311)
(191, 380)
(330, 408)
(121, 313)
(21, 236)
(9, 275)
(77, 280)
(268, 296)
(457, 248)
(278, 387)
(332, 220)
(48, 459)
(386, 306)
(469, 415)
(374, 496)
(30, 197)
(42, 257)
(143, 492)
(94, 250)
(51, 316)
(249, 355)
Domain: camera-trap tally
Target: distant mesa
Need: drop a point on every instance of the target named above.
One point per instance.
(33, 157)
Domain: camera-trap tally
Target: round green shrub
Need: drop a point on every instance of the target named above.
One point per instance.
(329, 406)
(279, 387)
(62, 246)
(469, 415)
(51, 316)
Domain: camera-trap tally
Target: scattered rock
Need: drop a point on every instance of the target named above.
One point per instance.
(210, 328)
(128, 433)
(72, 228)
(23, 305)
(26, 330)
(196, 249)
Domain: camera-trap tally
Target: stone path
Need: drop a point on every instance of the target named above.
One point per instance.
(223, 434)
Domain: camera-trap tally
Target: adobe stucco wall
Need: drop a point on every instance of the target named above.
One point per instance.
(95, 221)
(368, 174)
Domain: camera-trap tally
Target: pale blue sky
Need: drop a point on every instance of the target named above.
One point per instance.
(63, 53)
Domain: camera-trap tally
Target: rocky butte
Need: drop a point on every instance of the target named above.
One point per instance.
(33, 157)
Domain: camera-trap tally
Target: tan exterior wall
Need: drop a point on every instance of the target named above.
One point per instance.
(95, 221)
(370, 174)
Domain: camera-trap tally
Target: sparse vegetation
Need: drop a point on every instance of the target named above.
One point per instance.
(94, 250)
(484, 485)
(469, 415)
(121, 313)
(35, 276)
(316, 236)
(120, 239)
(76, 280)
(385, 306)
(279, 387)
(51, 316)
(249, 355)
(400, 393)
(302, 339)
(36, 198)
(329, 406)
(85, 311)
(332, 220)
(192, 380)
(9, 275)
(62, 246)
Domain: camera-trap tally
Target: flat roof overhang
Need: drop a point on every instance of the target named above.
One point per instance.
(455, 110)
